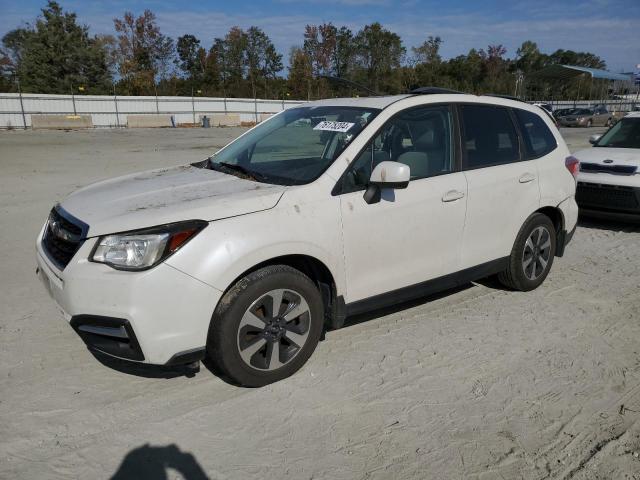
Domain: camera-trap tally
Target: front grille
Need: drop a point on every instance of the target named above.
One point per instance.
(63, 236)
(607, 197)
(616, 169)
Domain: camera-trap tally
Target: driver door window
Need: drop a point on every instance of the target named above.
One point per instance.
(419, 138)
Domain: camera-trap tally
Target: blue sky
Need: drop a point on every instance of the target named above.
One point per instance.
(609, 28)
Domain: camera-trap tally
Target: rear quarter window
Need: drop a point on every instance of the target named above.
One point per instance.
(538, 139)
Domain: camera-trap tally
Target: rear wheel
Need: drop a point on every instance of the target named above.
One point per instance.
(532, 254)
(266, 326)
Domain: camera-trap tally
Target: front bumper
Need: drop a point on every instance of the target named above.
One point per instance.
(155, 316)
(608, 200)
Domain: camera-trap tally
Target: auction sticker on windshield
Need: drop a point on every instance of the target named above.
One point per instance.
(334, 126)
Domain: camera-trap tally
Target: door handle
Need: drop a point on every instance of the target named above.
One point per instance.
(527, 177)
(452, 196)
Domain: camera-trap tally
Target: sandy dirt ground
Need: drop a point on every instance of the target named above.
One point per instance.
(476, 383)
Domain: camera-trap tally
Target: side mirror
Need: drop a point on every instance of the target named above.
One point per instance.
(593, 139)
(386, 175)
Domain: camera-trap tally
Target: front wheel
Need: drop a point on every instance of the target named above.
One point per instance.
(532, 254)
(266, 326)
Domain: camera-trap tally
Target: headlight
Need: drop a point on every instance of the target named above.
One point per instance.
(143, 249)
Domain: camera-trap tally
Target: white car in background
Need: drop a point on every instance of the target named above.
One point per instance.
(609, 177)
(323, 211)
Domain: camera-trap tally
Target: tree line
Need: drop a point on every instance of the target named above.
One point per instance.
(56, 54)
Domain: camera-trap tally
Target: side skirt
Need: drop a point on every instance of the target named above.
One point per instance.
(424, 289)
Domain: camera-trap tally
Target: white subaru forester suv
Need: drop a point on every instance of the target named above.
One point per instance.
(323, 211)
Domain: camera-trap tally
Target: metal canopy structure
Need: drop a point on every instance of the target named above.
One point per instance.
(594, 84)
(566, 72)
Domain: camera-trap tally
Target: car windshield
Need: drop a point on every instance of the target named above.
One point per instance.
(295, 146)
(624, 134)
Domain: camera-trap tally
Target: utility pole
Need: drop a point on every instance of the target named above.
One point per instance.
(24, 118)
(255, 107)
(193, 107)
(73, 100)
(115, 102)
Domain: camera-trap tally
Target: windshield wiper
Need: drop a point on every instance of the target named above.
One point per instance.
(237, 168)
(250, 174)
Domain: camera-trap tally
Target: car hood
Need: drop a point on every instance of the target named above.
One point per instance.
(167, 195)
(620, 156)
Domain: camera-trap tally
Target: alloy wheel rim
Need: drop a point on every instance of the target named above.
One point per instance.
(274, 329)
(537, 253)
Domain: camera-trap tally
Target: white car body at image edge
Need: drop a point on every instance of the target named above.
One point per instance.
(609, 177)
(229, 259)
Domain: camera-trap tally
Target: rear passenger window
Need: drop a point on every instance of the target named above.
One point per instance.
(489, 136)
(538, 139)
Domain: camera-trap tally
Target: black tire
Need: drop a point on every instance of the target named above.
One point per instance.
(225, 334)
(516, 276)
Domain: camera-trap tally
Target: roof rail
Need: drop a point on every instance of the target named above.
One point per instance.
(433, 91)
(507, 97)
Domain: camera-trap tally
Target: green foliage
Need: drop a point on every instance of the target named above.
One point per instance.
(300, 73)
(189, 55)
(143, 54)
(262, 60)
(56, 55)
(379, 53)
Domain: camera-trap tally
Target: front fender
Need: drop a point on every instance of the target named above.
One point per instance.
(227, 248)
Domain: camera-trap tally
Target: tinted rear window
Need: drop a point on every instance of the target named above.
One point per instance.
(489, 136)
(538, 139)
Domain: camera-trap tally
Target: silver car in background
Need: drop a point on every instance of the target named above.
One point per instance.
(587, 117)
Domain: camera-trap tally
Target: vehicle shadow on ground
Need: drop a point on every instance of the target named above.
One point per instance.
(596, 223)
(384, 311)
(144, 369)
(160, 371)
(159, 463)
(372, 315)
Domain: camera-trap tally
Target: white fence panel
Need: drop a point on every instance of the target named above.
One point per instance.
(112, 111)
